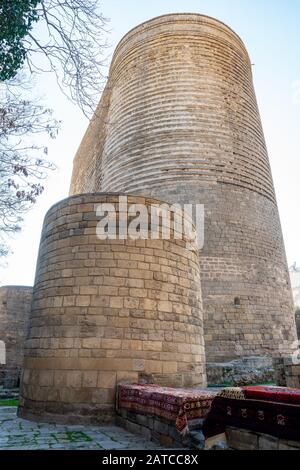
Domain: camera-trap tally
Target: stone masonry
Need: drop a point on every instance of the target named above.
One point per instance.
(179, 121)
(242, 439)
(287, 371)
(15, 304)
(106, 311)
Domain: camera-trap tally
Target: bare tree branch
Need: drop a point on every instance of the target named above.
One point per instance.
(23, 165)
(72, 45)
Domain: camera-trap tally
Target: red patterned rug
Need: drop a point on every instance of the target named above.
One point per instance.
(177, 405)
(265, 409)
(274, 394)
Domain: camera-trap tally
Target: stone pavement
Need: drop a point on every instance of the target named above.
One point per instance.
(20, 434)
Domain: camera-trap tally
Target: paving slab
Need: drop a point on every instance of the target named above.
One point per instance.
(19, 434)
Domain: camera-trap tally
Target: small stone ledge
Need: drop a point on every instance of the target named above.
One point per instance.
(164, 432)
(155, 429)
(241, 439)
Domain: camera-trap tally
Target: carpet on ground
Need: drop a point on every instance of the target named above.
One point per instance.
(178, 405)
(265, 409)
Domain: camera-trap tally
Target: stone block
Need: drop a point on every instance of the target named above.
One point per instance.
(107, 379)
(74, 379)
(170, 367)
(46, 378)
(89, 378)
(127, 377)
(111, 343)
(240, 439)
(266, 442)
(91, 343)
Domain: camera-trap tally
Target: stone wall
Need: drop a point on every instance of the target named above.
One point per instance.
(244, 371)
(152, 427)
(287, 372)
(106, 311)
(15, 303)
(179, 121)
(241, 439)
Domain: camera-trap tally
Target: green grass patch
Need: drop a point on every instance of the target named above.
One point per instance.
(9, 402)
(267, 383)
(223, 385)
(228, 384)
(75, 436)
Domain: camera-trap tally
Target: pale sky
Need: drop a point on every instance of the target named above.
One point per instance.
(270, 31)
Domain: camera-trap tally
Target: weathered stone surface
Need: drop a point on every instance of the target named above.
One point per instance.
(245, 371)
(289, 444)
(15, 304)
(80, 345)
(19, 434)
(267, 442)
(157, 429)
(298, 325)
(287, 371)
(240, 439)
(179, 120)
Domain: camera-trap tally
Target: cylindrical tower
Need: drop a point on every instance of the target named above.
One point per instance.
(106, 311)
(179, 121)
(15, 304)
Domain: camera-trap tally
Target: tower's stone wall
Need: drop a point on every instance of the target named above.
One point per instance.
(106, 311)
(298, 325)
(15, 304)
(179, 121)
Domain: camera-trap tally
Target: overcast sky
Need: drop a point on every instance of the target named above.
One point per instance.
(270, 30)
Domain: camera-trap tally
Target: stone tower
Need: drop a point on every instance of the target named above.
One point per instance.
(108, 311)
(179, 121)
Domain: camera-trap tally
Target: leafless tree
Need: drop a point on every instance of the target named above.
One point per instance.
(69, 37)
(23, 164)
